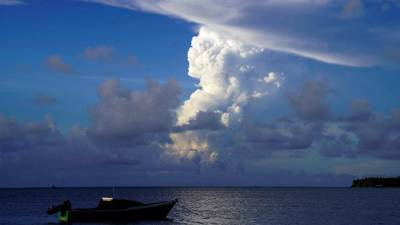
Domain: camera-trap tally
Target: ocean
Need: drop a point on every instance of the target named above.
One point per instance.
(256, 205)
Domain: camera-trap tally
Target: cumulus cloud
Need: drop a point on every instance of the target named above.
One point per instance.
(232, 59)
(55, 63)
(307, 28)
(15, 136)
(191, 145)
(229, 75)
(128, 129)
(123, 116)
(137, 131)
(99, 52)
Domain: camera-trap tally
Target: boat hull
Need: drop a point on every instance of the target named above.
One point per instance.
(147, 212)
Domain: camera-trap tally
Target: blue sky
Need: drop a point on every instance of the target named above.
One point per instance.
(198, 93)
(36, 30)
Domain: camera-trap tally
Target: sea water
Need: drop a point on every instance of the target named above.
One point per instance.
(274, 206)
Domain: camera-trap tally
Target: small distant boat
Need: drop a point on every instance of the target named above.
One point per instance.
(111, 210)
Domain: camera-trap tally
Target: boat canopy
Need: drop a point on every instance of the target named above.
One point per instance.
(109, 204)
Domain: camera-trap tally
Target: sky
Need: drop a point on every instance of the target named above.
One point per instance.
(198, 93)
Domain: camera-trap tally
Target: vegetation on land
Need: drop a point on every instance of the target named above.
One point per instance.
(377, 182)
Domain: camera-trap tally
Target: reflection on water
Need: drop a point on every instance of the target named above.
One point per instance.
(322, 206)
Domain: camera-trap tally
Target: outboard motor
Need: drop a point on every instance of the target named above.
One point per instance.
(64, 207)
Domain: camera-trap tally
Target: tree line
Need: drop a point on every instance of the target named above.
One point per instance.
(377, 182)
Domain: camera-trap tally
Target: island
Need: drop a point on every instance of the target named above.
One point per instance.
(377, 182)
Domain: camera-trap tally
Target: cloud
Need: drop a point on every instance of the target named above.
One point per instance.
(123, 117)
(16, 137)
(134, 133)
(11, 2)
(377, 135)
(353, 8)
(360, 111)
(128, 130)
(55, 63)
(44, 100)
(280, 135)
(371, 168)
(132, 60)
(99, 52)
(309, 103)
(203, 120)
(191, 145)
(229, 73)
(307, 28)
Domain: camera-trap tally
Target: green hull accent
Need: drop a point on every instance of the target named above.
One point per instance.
(64, 217)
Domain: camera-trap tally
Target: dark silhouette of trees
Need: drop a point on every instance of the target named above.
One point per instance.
(377, 182)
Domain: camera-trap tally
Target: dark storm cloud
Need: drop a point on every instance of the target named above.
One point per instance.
(55, 63)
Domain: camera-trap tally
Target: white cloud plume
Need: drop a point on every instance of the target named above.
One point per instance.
(228, 74)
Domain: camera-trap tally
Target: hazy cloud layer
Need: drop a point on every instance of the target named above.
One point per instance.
(341, 32)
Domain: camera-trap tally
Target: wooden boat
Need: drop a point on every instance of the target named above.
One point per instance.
(109, 210)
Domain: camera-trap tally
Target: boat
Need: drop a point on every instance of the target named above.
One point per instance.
(111, 210)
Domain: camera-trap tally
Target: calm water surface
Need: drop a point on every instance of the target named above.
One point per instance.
(275, 206)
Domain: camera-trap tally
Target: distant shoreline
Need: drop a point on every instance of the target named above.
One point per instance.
(122, 187)
(377, 182)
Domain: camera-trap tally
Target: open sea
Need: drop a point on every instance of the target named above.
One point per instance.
(275, 206)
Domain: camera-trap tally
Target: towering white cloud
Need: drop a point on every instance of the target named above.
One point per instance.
(230, 73)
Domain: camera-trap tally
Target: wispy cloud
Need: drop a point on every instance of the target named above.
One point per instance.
(11, 2)
(99, 52)
(56, 63)
(44, 100)
(324, 30)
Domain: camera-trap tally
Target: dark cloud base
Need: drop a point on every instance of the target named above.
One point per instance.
(124, 143)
